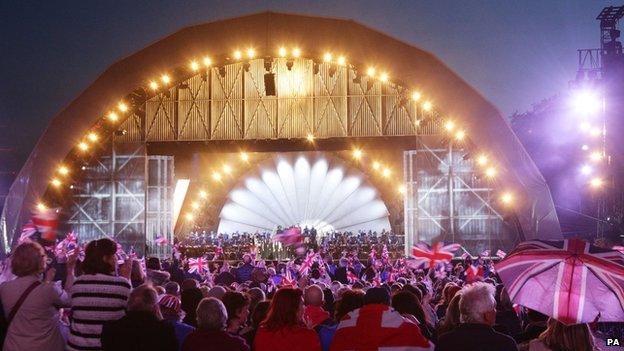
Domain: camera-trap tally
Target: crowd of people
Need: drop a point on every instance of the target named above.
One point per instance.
(312, 303)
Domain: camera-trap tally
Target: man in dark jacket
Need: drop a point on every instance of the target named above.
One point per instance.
(140, 328)
(477, 308)
(243, 273)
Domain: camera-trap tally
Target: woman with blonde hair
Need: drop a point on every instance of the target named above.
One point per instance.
(561, 337)
(30, 304)
(451, 317)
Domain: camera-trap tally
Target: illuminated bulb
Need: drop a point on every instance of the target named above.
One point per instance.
(296, 52)
(586, 170)
(327, 57)
(383, 77)
(153, 85)
(490, 172)
(596, 182)
(165, 79)
(376, 165)
(584, 126)
(507, 198)
(584, 147)
(460, 135)
(244, 156)
(386, 172)
(416, 96)
(310, 137)
(595, 132)
(189, 217)
(427, 105)
(449, 125)
(83, 146)
(55, 182)
(227, 169)
(194, 65)
(207, 61)
(63, 170)
(342, 60)
(238, 54)
(357, 154)
(482, 160)
(92, 136)
(195, 205)
(216, 176)
(401, 189)
(122, 106)
(41, 206)
(203, 194)
(595, 156)
(282, 51)
(370, 71)
(112, 116)
(251, 53)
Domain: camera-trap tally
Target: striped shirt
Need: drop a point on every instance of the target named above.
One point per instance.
(96, 299)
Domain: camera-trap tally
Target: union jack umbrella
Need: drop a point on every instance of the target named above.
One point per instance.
(197, 265)
(571, 280)
(437, 253)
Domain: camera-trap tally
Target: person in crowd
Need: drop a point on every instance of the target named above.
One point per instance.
(210, 334)
(536, 324)
(561, 337)
(171, 311)
(477, 308)
(141, 328)
(314, 299)
(172, 288)
(137, 276)
(341, 271)
(426, 296)
(33, 324)
(451, 317)
(256, 295)
(257, 316)
(98, 296)
(507, 321)
(190, 299)
(243, 272)
(376, 326)
(217, 292)
(408, 305)
(237, 307)
(350, 301)
(155, 273)
(284, 328)
(448, 292)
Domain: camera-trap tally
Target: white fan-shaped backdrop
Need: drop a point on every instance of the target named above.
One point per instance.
(296, 192)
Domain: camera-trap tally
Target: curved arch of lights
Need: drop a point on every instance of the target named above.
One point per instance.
(306, 192)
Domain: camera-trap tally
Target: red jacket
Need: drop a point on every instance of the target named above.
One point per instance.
(287, 339)
(315, 314)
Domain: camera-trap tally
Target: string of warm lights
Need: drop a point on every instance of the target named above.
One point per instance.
(116, 115)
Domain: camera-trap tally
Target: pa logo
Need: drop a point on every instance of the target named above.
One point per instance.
(613, 342)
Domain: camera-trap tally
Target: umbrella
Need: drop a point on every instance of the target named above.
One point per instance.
(571, 280)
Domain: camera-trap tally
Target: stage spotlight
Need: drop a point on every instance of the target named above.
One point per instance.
(194, 66)
(122, 106)
(310, 138)
(482, 160)
(595, 156)
(584, 147)
(416, 96)
(383, 77)
(189, 217)
(238, 55)
(251, 53)
(55, 182)
(244, 156)
(327, 57)
(207, 61)
(216, 176)
(203, 194)
(586, 102)
(586, 170)
(401, 189)
(341, 60)
(41, 206)
(83, 146)
(596, 182)
(296, 52)
(584, 126)
(112, 116)
(165, 79)
(357, 154)
(282, 52)
(195, 205)
(595, 131)
(376, 165)
(227, 169)
(490, 172)
(63, 170)
(507, 198)
(460, 135)
(449, 125)
(370, 72)
(427, 105)
(386, 172)
(92, 136)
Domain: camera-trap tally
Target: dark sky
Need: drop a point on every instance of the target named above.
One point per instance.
(515, 52)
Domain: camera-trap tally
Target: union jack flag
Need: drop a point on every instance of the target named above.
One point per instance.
(288, 279)
(289, 236)
(384, 253)
(575, 281)
(485, 253)
(501, 253)
(46, 221)
(307, 263)
(372, 254)
(161, 240)
(197, 265)
(28, 230)
(437, 253)
(351, 277)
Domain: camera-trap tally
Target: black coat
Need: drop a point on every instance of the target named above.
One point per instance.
(475, 337)
(138, 331)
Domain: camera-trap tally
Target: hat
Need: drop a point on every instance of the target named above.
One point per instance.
(170, 302)
(377, 295)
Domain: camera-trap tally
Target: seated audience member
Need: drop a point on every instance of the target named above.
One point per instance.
(243, 272)
(141, 327)
(210, 334)
(451, 317)
(190, 299)
(237, 307)
(350, 301)
(314, 299)
(155, 273)
(377, 326)
(477, 308)
(171, 310)
(408, 305)
(137, 276)
(98, 296)
(284, 329)
(507, 321)
(561, 337)
(172, 288)
(536, 324)
(35, 324)
(257, 316)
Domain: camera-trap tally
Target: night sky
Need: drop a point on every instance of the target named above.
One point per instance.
(515, 52)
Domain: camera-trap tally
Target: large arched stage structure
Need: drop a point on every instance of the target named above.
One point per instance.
(181, 106)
